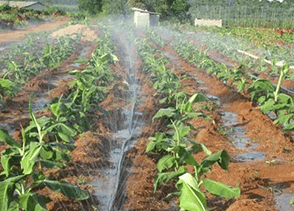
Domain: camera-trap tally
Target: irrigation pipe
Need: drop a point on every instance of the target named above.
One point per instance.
(110, 205)
(278, 64)
(287, 91)
(111, 202)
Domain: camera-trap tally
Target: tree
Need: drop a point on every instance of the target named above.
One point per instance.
(167, 8)
(116, 7)
(91, 6)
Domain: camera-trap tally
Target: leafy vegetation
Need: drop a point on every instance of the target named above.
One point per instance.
(263, 92)
(23, 163)
(260, 36)
(231, 46)
(47, 141)
(10, 16)
(92, 7)
(174, 144)
(18, 72)
(270, 99)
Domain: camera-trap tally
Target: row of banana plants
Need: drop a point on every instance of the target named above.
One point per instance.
(262, 91)
(174, 143)
(18, 72)
(31, 43)
(229, 45)
(47, 141)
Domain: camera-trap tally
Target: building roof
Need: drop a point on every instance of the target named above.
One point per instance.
(144, 11)
(20, 4)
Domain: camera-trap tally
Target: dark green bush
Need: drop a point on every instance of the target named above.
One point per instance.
(50, 10)
(91, 6)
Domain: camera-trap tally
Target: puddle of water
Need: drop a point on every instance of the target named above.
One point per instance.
(62, 78)
(107, 186)
(203, 88)
(112, 183)
(214, 98)
(122, 134)
(283, 201)
(231, 119)
(85, 52)
(237, 134)
(169, 56)
(250, 156)
(240, 140)
(76, 65)
(7, 127)
(199, 81)
(271, 115)
(40, 104)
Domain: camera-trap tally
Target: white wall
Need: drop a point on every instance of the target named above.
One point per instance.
(141, 19)
(207, 22)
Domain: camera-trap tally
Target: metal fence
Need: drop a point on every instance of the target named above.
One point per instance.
(248, 16)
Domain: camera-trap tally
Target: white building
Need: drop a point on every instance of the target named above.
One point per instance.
(144, 18)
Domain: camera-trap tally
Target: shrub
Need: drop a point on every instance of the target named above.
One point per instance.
(91, 6)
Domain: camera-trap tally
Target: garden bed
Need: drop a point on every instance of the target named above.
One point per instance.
(116, 87)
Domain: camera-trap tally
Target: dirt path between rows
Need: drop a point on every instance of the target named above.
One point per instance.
(17, 35)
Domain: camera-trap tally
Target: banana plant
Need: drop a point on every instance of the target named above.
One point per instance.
(14, 69)
(48, 58)
(173, 165)
(35, 149)
(153, 37)
(284, 71)
(182, 108)
(270, 99)
(192, 198)
(166, 83)
(46, 126)
(44, 141)
(70, 111)
(177, 145)
(19, 163)
(8, 88)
